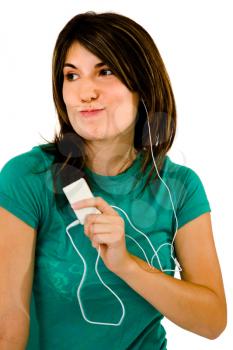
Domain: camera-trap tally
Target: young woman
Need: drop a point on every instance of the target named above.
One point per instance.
(117, 117)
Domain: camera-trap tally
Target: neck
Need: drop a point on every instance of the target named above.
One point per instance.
(110, 160)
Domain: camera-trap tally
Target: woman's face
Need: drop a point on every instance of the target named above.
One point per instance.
(89, 84)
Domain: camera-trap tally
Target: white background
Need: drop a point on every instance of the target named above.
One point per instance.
(195, 41)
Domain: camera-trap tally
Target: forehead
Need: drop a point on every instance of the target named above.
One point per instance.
(79, 52)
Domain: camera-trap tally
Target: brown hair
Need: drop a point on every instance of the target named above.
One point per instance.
(132, 55)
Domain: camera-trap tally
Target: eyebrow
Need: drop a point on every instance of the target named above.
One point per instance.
(100, 64)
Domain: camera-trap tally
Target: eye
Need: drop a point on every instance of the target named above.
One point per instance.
(106, 70)
(69, 76)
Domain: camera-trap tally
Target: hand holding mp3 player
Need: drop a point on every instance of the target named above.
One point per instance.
(113, 252)
(78, 191)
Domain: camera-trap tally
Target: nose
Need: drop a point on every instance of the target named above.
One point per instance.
(88, 91)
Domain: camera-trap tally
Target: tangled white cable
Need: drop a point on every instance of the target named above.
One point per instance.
(77, 222)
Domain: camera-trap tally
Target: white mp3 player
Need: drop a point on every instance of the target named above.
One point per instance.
(77, 191)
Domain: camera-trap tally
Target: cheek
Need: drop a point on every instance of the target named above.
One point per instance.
(123, 110)
(69, 97)
(64, 93)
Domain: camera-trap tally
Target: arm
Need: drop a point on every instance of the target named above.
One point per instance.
(17, 250)
(196, 302)
(11, 345)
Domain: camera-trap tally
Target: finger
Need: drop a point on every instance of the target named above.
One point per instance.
(104, 228)
(102, 238)
(101, 219)
(97, 202)
(95, 245)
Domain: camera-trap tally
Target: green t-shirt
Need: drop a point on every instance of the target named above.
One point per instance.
(56, 318)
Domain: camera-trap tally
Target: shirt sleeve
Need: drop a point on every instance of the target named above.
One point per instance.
(193, 199)
(21, 191)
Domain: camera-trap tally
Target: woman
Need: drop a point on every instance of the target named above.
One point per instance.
(117, 117)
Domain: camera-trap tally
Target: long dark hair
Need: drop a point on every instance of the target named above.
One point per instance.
(130, 52)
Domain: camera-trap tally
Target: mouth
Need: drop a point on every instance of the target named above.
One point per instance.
(91, 112)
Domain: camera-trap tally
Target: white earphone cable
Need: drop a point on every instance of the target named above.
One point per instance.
(76, 222)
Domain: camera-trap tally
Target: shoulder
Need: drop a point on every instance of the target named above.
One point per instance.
(25, 163)
(191, 199)
(24, 186)
(188, 185)
(171, 168)
(24, 172)
(181, 174)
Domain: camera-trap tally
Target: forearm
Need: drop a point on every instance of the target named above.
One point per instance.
(191, 306)
(11, 345)
(14, 333)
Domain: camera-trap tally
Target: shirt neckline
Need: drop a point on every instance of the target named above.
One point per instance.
(116, 184)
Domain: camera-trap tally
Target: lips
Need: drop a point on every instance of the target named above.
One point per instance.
(90, 112)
